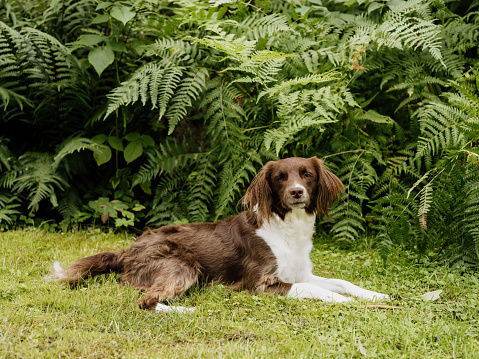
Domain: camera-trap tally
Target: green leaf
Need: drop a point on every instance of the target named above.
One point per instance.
(431, 296)
(115, 143)
(147, 140)
(103, 5)
(146, 187)
(132, 136)
(124, 222)
(373, 6)
(90, 40)
(133, 151)
(104, 217)
(102, 154)
(101, 58)
(117, 46)
(138, 207)
(100, 138)
(100, 19)
(122, 13)
(373, 116)
(115, 181)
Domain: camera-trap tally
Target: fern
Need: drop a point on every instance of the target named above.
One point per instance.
(76, 145)
(8, 211)
(385, 93)
(168, 157)
(201, 188)
(305, 80)
(153, 82)
(305, 109)
(424, 205)
(189, 90)
(223, 113)
(234, 178)
(358, 175)
(39, 179)
(10, 68)
(411, 32)
(67, 18)
(259, 27)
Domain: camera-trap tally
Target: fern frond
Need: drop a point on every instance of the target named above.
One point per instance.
(222, 115)
(7, 208)
(234, 179)
(39, 179)
(75, 145)
(237, 49)
(424, 205)
(158, 84)
(305, 80)
(188, 91)
(304, 109)
(170, 156)
(401, 31)
(259, 27)
(202, 182)
(440, 125)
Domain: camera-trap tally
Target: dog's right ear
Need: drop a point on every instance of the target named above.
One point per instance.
(258, 199)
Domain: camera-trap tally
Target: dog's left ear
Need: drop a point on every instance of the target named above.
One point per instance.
(329, 188)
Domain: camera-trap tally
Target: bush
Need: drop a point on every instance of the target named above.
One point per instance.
(138, 113)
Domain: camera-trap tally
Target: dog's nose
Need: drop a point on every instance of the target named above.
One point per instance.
(296, 192)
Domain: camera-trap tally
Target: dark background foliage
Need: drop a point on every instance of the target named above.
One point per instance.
(132, 114)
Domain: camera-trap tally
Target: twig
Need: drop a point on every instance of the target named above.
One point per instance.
(380, 306)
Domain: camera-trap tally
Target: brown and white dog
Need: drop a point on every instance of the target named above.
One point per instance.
(265, 249)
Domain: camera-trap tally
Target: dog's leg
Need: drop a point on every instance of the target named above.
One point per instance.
(309, 290)
(170, 308)
(345, 287)
(173, 279)
(272, 285)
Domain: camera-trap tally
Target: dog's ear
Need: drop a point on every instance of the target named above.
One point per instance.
(329, 187)
(258, 199)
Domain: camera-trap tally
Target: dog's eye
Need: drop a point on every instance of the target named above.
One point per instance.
(279, 178)
(308, 175)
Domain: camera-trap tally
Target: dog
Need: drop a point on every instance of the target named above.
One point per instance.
(264, 249)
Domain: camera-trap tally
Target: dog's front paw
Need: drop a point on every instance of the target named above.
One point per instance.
(373, 296)
(177, 309)
(337, 298)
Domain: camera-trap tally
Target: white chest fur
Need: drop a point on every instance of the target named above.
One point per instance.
(290, 241)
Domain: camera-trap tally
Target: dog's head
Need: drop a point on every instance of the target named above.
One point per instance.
(292, 183)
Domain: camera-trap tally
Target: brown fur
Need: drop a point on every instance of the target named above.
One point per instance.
(167, 261)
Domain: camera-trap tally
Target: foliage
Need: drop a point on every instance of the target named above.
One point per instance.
(147, 113)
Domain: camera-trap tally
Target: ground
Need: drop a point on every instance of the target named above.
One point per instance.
(41, 319)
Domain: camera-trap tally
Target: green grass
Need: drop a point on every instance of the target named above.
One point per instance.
(41, 319)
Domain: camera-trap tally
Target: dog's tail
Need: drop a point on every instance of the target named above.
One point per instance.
(88, 267)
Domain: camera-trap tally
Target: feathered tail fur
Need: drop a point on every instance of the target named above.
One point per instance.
(88, 267)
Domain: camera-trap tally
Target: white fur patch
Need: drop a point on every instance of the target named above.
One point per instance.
(307, 290)
(58, 272)
(168, 309)
(345, 287)
(290, 242)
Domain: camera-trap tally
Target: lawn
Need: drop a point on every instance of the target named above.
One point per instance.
(41, 319)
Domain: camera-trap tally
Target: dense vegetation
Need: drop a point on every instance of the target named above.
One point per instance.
(133, 113)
